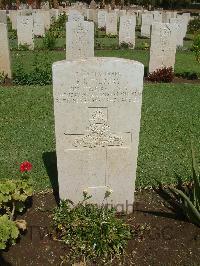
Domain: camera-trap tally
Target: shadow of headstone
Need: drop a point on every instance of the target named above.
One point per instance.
(50, 162)
(3, 262)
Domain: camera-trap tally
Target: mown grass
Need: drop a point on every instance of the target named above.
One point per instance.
(169, 112)
(185, 60)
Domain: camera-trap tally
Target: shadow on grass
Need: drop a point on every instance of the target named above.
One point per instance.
(50, 162)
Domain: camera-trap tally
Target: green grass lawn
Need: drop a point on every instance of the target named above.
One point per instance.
(185, 60)
(169, 112)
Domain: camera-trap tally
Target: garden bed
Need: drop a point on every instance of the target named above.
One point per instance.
(165, 240)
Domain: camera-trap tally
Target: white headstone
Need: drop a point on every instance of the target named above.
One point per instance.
(38, 24)
(97, 107)
(3, 16)
(54, 13)
(75, 15)
(111, 23)
(163, 46)
(127, 30)
(178, 24)
(147, 20)
(79, 40)
(102, 18)
(157, 16)
(13, 18)
(4, 51)
(25, 33)
(46, 18)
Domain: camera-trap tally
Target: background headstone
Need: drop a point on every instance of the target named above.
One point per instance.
(79, 39)
(163, 46)
(147, 20)
(127, 30)
(102, 18)
(75, 15)
(25, 33)
(38, 24)
(111, 23)
(4, 51)
(3, 16)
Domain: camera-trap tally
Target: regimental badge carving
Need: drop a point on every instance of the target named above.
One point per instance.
(98, 133)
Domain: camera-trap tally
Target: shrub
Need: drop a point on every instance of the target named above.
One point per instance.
(125, 45)
(40, 74)
(188, 75)
(165, 74)
(3, 77)
(92, 232)
(49, 40)
(13, 35)
(194, 25)
(144, 46)
(23, 47)
(13, 198)
(196, 47)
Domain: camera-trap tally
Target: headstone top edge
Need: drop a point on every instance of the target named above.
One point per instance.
(100, 59)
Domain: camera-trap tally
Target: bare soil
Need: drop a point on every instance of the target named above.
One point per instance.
(167, 240)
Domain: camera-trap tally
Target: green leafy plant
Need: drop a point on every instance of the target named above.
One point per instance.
(188, 75)
(189, 196)
(3, 77)
(9, 231)
(40, 74)
(13, 198)
(144, 46)
(13, 35)
(125, 45)
(23, 47)
(196, 47)
(194, 25)
(165, 74)
(91, 231)
(49, 40)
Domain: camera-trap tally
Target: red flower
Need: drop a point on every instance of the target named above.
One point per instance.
(25, 167)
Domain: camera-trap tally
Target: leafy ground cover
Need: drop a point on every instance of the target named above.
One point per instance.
(169, 113)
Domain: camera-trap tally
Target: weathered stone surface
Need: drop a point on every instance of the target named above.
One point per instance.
(180, 31)
(3, 16)
(92, 15)
(13, 18)
(102, 18)
(147, 20)
(97, 107)
(46, 18)
(75, 15)
(163, 46)
(93, 4)
(4, 51)
(127, 30)
(25, 33)
(79, 39)
(111, 23)
(157, 16)
(38, 24)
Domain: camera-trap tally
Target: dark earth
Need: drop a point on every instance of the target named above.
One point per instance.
(167, 239)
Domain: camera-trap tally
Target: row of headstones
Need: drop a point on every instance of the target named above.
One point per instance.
(29, 24)
(80, 44)
(39, 21)
(128, 20)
